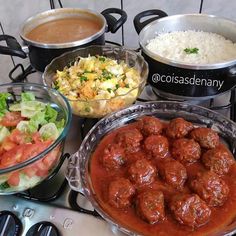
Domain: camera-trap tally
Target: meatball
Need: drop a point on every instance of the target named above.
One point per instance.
(218, 160)
(150, 125)
(129, 139)
(113, 157)
(157, 146)
(178, 128)
(142, 172)
(120, 193)
(190, 210)
(150, 206)
(211, 188)
(186, 150)
(131, 157)
(173, 173)
(206, 137)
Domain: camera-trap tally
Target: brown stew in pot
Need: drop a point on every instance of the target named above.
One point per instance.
(158, 178)
(64, 30)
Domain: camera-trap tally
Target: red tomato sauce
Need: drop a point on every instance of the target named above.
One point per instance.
(100, 177)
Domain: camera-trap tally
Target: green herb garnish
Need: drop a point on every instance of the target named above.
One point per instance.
(117, 86)
(127, 85)
(108, 77)
(83, 78)
(109, 90)
(87, 109)
(102, 59)
(191, 50)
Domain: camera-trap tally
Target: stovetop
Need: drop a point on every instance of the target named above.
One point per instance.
(62, 211)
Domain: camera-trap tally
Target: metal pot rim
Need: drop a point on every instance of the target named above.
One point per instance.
(68, 44)
(179, 64)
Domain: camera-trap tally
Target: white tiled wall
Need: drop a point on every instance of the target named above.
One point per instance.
(225, 8)
(171, 7)
(14, 12)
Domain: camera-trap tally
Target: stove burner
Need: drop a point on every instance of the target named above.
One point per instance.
(43, 228)
(10, 225)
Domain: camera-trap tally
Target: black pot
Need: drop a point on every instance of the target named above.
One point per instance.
(41, 54)
(181, 81)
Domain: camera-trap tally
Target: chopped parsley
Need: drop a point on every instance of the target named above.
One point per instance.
(102, 59)
(109, 90)
(87, 71)
(83, 78)
(106, 74)
(191, 50)
(117, 86)
(127, 85)
(87, 109)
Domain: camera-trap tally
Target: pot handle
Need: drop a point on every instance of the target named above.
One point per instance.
(73, 173)
(113, 23)
(74, 179)
(13, 48)
(157, 14)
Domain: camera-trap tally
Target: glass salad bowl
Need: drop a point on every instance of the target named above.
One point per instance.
(110, 93)
(79, 171)
(34, 121)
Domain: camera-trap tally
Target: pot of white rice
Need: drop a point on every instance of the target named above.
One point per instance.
(190, 56)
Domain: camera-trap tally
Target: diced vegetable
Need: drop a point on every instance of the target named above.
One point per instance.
(96, 78)
(4, 132)
(49, 131)
(27, 128)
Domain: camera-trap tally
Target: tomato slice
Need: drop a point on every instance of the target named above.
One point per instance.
(34, 149)
(14, 179)
(42, 173)
(12, 157)
(50, 159)
(11, 119)
(30, 171)
(19, 137)
(8, 144)
(36, 137)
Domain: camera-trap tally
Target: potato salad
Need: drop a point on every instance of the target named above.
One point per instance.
(96, 78)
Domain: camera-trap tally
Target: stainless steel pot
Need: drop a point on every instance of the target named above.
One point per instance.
(203, 81)
(41, 54)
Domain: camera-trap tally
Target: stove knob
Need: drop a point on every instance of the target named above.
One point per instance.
(10, 225)
(43, 228)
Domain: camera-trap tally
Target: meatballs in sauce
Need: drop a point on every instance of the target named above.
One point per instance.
(165, 178)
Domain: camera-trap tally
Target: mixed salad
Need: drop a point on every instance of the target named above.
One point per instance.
(97, 78)
(27, 127)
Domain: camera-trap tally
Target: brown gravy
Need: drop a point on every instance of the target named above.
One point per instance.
(64, 30)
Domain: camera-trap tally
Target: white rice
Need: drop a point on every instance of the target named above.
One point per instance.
(212, 48)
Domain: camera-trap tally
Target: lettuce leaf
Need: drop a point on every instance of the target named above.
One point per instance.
(27, 96)
(50, 114)
(3, 103)
(35, 121)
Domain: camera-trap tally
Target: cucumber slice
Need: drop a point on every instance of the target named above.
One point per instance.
(23, 126)
(49, 131)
